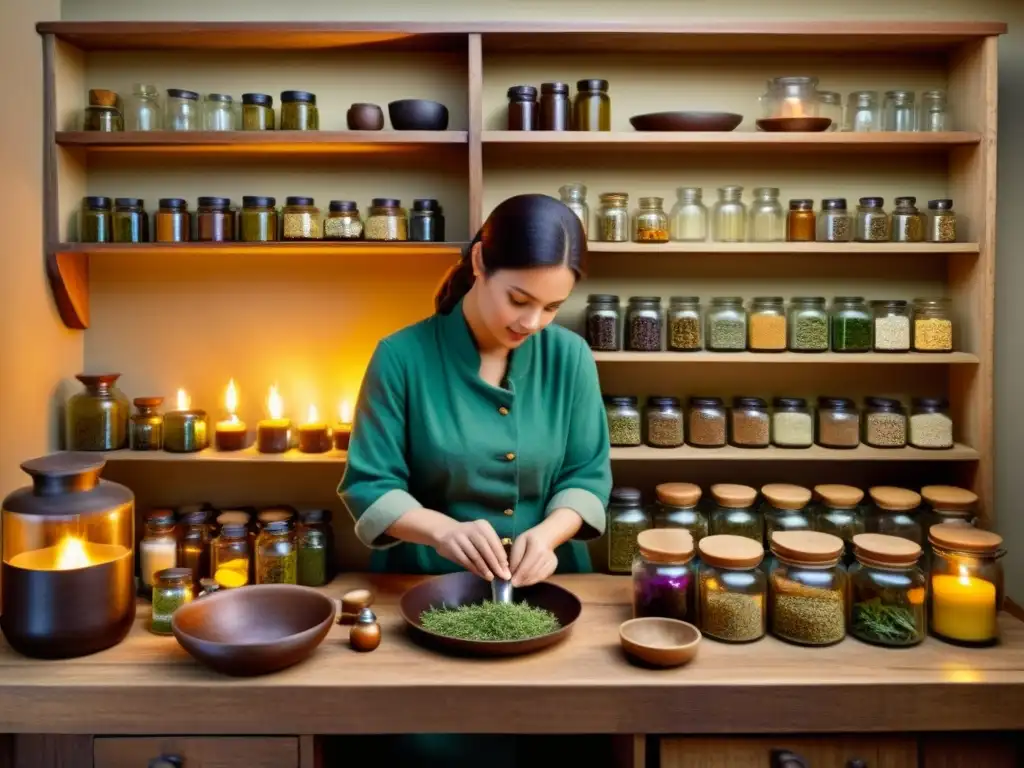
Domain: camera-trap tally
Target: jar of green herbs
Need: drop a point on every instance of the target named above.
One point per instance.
(807, 324)
(276, 554)
(171, 590)
(808, 588)
(623, 415)
(679, 507)
(257, 221)
(314, 545)
(626, 519)
(94, 220)
(887, 591)
(146, 427)
(97, 418)
(257, 112)
(130, 223)
(299, 112)
(851, 321)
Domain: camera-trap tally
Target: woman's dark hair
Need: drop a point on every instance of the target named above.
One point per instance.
(522, 232)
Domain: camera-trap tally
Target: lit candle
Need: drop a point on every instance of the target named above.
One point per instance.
(313, 437)
(69, 554)
(964, 608)
(343, 429)
(185, 429)
(230, 434)
(273, 435)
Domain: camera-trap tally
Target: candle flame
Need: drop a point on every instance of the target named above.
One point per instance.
(184, 401)
(275, 405)
(71, 554)
(964, 578)
(312, 417)
(231, 398)
(792, 106)
(345, 412)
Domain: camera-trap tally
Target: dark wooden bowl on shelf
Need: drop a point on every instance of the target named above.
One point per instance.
(418, 115)
(456, 589)
(794, 124)
(365, 117)
(686, 121)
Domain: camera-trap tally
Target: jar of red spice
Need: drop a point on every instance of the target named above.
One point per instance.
(215, 220)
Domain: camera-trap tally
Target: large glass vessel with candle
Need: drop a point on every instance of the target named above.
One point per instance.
(966, 584)
(68, 569)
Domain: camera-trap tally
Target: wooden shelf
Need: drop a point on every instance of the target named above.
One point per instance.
(825, 249)
(250, 454)
(309, 248)
(820, 358)
(814, 453)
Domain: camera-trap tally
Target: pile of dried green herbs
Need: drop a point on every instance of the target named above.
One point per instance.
(490, 621)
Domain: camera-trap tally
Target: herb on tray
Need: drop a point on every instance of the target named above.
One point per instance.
(490, 621)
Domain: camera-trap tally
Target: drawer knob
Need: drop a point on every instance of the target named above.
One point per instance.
(166, 761)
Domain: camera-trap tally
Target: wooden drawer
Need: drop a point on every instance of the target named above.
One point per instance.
(198, 752)
(819, 751)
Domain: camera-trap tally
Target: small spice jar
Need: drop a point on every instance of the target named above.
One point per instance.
(800, 222)
(663, 418)
(966, 584)
(729, 215)
(678, 507)
(602, 321)
(97, 418)
(314, 548)
(688, 219)
(523, 109)
(276, 555)
(555, 107)
(885, 423)
(706, 422)
(807, 588)
(231, 553)
(158, 548)
(807, 324)
(386, 220)
(834, 224)
(173, 589)
(872, 221)
(129, 222)
(933, 325)
(146, 428)
(851, 323)
(948, 505)
(907, 221)
(941, 224)
(899, 112)
(257, 112)
(891, 325)
(862, 113)
(300, 219)
(592, 108)
(183, 112)
(215, 220)
(749, 423)
(930, 423)
(726, 325)
(767, 324)
(733, 590)
(574, 197)
(838, 423)
(650, 222)
(664, 575)
(895, 513)
(683, 324)
(644, 320)
(343, 221)
(613, 225)
(257, 222)
(792, 426)
(218, 112)
(734, 512)
(626, 519)
(623, 420)
(767, 219)
(173, 222)
(299, 112)
(785, 508)
(94, 220)
(838, 512)
(887, 592)
(426, 221)
(194, 544)
(103, 119)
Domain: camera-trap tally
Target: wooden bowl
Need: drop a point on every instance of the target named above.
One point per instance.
(455, 589)
(794, 124)
(254, 630)
(686, 121)
(660, 642)
(365, 117)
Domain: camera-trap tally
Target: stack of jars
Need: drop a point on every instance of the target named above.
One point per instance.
(591, 110)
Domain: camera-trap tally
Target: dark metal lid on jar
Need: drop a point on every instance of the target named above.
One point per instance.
(789, 402)
(769, 300)
(426, 204)
(96, 203)
(386, 202)
(940, 205)
(848, 300)
(258, 99)
(174, 203)
(808, 300)
(255, 201)
(129, 202)
(214, 202)
(602, 298)
(645, 299)
(178, 93)
(895, 303)
(909, 202)
(749, 402)
(343, 206)
(522, 93)
(622, 494)
(699, 402)
(298, 201)
(293, 96)
(871, 202)
(801, 205)
(663, 401)
(174, 576)
(684, 300)
(620, 400)
(883, 403)
(931, 403)
(591, 85)
(837, 403)
(555, 87)
(221, 97)
(834, 203)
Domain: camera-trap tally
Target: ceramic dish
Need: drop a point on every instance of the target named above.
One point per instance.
(418, 115)
(659, 642)
(686, 121)
(794, 124)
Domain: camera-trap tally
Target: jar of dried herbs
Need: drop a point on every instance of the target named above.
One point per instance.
(231, 553)
(726, 325)
(602, 321)
(626, 519)
(663, 418)
(257, 112)
(94, 220)
(644, 321)
(749, 423)
(885, 423)
(386, 220)
(276, 554)
(933, 325)
(194, 544)
(807, 324)
(872, 221)
(800, 222)
(785, 508)
(887, 592)
(683, 324)
(733, 590)
(299, 112)
(574, 197)
(300, 219)
(173, 588)
(838, 423)
(767, 324)
(103, 119)
(834, 222)
(146, 427)
(891, 325)
(792, 426)
(426, 221)
(343, 221)
(314, 544)
(930, 423)
(838, 512)
(895, 513)
(623, 420)
(851, 323)
(613, 218)
(257, 222)
(734, 513)
(664, 575)
(678, 506)
(129, 222)
(650, 222)
(173, 222)
(941, 224)
(215, 220)
(808, 588)
(97, 418)
(907, 221)
(706, 422)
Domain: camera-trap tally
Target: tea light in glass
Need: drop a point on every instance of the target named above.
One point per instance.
(185, 429)
(230, 434)
(313, 436)
(343, 429)
(273, 435)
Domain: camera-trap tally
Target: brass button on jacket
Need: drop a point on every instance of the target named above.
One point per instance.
(510, 456)
(510, 512)
(503, 411)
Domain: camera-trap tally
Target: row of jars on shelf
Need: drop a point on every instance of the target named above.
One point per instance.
(590, 110)
(791, 423)
(765, 221)
(216, 220)
(806, 325)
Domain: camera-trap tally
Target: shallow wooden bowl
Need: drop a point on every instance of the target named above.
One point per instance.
(794, 124)
(254, 630)
(455, 589)
(686, 121)
(660, 642)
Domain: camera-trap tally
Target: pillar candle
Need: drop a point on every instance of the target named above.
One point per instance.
(964, 608)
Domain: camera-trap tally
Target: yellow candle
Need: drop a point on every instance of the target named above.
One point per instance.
(230, 434)
(233, 573)
(964, 608)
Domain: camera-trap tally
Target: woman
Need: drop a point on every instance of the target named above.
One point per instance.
(484, 421)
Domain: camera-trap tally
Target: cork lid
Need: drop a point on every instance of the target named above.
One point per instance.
(666, 545)
(837, 495)
(148, 402)
(964, 538)
(808, 547)
(949, 498)
(678, 494)
(735, 552)
(233, 517)
(895, 499)
(786, 496)
(885, 550)
(274, 515)
(733, 496)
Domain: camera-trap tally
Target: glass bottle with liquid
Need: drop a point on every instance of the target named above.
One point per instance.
(729, 220)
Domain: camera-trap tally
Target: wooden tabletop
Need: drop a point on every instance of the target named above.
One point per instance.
(148, 684)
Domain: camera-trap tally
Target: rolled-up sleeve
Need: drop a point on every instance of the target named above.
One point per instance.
(585, 480)
(375, 486)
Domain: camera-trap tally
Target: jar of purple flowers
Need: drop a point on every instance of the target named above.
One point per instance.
(664, 575)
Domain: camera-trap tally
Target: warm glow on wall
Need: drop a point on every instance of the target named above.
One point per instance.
(345, 412)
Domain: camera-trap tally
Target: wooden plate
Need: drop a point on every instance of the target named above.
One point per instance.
(794, 124)
(686, 121)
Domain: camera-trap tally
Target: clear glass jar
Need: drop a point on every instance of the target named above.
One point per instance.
(887, 592)
(146, 428)
(729, 215)
(800, 222)
(791, 97)
(231, 555)
(948, 505)
(899, 112)
(194, 544)
(838, 512)
(426, 221)
(592, 108)
(300, 220)
(613, 225)
(276, 555)
(183, 112)
(807, 324)
(299, 112)
(650, 223)
(862, 113)
(172, 221)
(626, 519)
(574, 197)
(215, 220)
(257, 221)
(706, 422)
(386, 220)
(851, 322)
(885, 423)
(257, 112)
(733, 590)
(749, 425)
(838, 423)
(97, 419)
(663, 418)
(785, 508)
(523, 110)
(173, 588)
(665, 576)
(688, 220)
(933, 325)
(219, 112)
(679, 507)
(767, 219)
(966, 584)
(102, 119)
(933, 117)
(808, 588)
(726, 325)
(734, 513)
(644, 321)
(143, 112)
(767, 324)
(683, 333)
(940, 226)
(895, 513)
(602, 319)
(832, 108)
(907, 221)
(343, 221)
(95, 220)
(834, 222)
(891, 325)
(792, 426)
(623, 415)
(930, 423)
(872, 225)
(129, 221)
(314, 545)
(158, 548)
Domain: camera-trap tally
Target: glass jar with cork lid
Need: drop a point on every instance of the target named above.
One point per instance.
(785, 508)
(967, 586)
(895, 513)
(807, 588)
(678, 506)
(734, 512)
(838, 512)
(663, 419)
(626, 519)
(96, 419)
(887, 592)
(146, 427)
(664, 575)
(948, 505)
(733, 590)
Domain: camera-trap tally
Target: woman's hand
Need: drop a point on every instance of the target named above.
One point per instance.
(533, 557)
(476, 547)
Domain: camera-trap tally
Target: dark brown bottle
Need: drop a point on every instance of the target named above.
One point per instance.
(555, 109)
